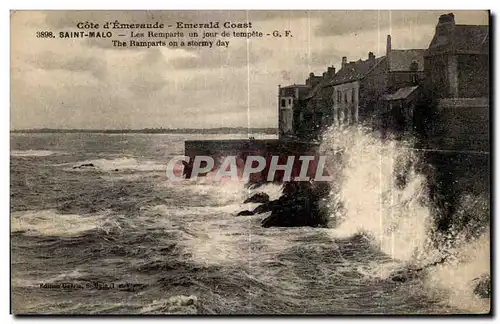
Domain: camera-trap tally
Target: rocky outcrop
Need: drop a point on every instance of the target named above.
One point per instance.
(406, 274)
(84, 165)
(297, 211)
(245, 213)
(259, 197)
(483, 286)
(299, 205)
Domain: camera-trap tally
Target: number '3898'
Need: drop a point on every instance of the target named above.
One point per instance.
(44, 34)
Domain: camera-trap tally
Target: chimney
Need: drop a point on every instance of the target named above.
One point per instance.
(446, 24)
(331, 71)
(344, 61)
(310, 79)
(388, 47)
(371, 59)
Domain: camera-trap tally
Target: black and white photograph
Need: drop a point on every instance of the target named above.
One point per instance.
(250, 162)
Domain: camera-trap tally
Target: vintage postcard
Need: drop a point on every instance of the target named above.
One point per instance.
(253, 162)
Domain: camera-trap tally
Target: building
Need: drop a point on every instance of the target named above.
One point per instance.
(398, 113)
(292, 115)
(317, 104)
(353, 91)
(457, 61)
(371, 90)
(354, 94)
(453, 116)
(396, 92)
(405, 67)
(405, 75)
(457, 86)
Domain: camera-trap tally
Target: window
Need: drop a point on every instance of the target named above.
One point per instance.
(318, 119)
(339, 96)
(414, 78)
(290, 101)
(345, 97)
(283, 103)
(353, 95)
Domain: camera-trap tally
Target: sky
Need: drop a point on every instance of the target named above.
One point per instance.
(89, 84)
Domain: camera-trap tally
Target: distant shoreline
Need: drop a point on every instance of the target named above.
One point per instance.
(222, 130)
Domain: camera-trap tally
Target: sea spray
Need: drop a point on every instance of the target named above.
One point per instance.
(467, 247)
(378, 192)
(456, 280)
(381, 193)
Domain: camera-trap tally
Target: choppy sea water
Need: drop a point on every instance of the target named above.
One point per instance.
(120, 239)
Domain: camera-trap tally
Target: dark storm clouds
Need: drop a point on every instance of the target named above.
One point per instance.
(75, 83)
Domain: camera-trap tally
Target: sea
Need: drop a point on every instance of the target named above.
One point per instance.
(118, 238)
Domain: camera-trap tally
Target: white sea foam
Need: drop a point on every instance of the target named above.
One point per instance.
(120, 164)
(457, 278)
(273, 190)
(51, 223)
(213, 235)
(34, 153)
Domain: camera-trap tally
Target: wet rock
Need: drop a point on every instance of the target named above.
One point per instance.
(399, 278)
(245, 213)
(483, 286)
(84, 165)
(268, 206)
(405, 275)
(299, 206)
(264, 208)
(259, 197)
(298, 211)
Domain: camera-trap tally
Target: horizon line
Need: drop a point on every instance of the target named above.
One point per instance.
(138, 129)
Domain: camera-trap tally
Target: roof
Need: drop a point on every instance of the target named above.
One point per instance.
(303, 89)
(401, 93)
(316, 90)
(296, 86)
(400, 60)
(355, 71)
(318, 98)
(471, 38)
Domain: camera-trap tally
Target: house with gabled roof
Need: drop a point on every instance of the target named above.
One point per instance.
(405, 75)
(356, 88)
(361, 88)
